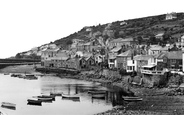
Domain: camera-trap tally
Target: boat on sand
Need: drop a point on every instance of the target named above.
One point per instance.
(98, 96)
(67, 96)
(8, 105)
(128, 98)
(34, 101)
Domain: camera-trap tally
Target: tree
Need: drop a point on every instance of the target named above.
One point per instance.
(122, 72)
(139, 39)
(152, 40)
(18, 56)
(69, 42)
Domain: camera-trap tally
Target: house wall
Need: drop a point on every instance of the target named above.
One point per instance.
(121, 62)
(131, 65)
(174, 64)
(112, 63)
(141, 63)
(119, 43)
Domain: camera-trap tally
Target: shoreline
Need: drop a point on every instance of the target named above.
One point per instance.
(155, 102)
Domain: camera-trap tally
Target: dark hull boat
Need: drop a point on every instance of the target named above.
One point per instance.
(8, 105)
(55, 94)
(34, 102)
(97, 92)
(98, 96)
(46, 96)
(45, 99)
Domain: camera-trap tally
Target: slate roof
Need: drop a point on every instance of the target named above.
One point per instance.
(171, 55)
(174, 55)
(142, 57)
(116, 49)
(126, 54)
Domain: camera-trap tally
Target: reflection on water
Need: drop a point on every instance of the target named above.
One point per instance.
(18, 90)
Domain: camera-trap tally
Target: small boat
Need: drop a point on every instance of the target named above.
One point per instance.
(98, 96)
(55, 94)
(127, 98)
(6, 73)
(46, 96)
(8, 105)
(97, 92)
(45, 99)
(66, 96)
(30, 77)
(34, 101)
(16, 75)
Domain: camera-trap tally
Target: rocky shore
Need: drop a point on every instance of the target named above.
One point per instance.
(156, 101)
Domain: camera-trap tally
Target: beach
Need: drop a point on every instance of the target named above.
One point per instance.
(155, 101)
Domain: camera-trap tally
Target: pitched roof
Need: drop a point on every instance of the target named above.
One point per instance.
(171, 55)
(122, 40)
(64, 58)
(159, 35)
(161, 55)
(116, 49)
(174, 55)
(142, 57)
(117, 40)
(160, 48)
(125, 54)
(87, 44)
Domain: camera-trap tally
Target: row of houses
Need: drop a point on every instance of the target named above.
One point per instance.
(119, 53)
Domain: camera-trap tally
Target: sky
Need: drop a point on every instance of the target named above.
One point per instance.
(25, 24)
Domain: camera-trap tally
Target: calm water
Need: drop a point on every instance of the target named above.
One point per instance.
(17, 90)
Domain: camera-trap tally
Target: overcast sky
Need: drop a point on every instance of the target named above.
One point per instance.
(25, 24)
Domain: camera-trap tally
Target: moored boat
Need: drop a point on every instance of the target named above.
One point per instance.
(6, 73)
(46, 96)
(98, 96)
(66, 96)
(30, 77)
(55, 94)
(34, 101)
(8, 105)
(97, 92)
(127, 98)
(45, 99)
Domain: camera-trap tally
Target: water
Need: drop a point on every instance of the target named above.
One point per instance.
(17, 90)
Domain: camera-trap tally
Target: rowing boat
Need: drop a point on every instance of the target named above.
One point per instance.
(127, 98)
(8, 105)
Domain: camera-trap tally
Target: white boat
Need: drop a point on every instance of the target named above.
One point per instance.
(127, 98)
(66, 96)
(8, 105)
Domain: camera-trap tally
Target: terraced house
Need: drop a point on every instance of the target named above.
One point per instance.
(123, 58)
(170, 60)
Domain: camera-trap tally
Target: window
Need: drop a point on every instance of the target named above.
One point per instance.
(132, 61)
(127, 67)
(173, 61)
(111, 60)
(133, 68)
(130, 67)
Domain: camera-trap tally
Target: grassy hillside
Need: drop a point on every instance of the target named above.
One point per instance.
(139, 28)
(146, 26)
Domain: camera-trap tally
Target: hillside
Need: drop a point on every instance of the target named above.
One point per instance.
(145, 27)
